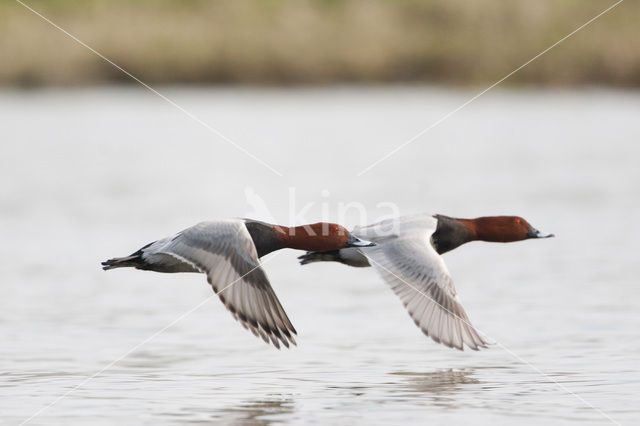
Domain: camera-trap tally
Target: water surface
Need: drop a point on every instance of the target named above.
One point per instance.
(92, 174)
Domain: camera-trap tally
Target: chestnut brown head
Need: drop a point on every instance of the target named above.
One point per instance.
(322, 236)
(505, 229)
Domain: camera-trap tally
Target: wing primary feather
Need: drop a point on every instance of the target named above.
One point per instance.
(408, 262)
(225, 251)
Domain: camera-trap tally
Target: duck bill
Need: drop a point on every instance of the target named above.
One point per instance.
(357, 242)
(534, 233)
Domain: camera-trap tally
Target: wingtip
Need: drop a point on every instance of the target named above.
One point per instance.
(477, 347)
(277, 342)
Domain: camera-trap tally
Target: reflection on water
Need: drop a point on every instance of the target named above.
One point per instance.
(89, 174)
(445, 382)
(259, 412)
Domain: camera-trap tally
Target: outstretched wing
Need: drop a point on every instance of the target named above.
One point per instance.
(407, 261)
(225, 252)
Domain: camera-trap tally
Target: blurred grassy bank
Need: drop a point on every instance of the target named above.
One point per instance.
(319, 41)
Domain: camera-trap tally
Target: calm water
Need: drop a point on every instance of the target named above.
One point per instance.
(91, 174)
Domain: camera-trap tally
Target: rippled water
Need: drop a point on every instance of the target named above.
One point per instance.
(91, 174)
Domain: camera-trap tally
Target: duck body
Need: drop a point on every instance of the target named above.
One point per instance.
(445, 234)
(220, 237)
(229, 252)
(407, 254)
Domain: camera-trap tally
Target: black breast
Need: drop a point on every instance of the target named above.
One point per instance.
(449, 234)
(263, 236)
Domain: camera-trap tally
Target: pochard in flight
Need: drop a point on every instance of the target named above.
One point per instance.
(407, 255)
(228, 252)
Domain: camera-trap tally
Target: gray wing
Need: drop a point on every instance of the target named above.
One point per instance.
(407, 261)
(225, 252)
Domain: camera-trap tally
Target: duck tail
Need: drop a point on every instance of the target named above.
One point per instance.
(134, 260)
(320, 256)
(348, 256)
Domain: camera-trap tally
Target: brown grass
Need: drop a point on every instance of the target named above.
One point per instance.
(319, 41)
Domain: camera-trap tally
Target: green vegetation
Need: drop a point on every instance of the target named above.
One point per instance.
(319, 41)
